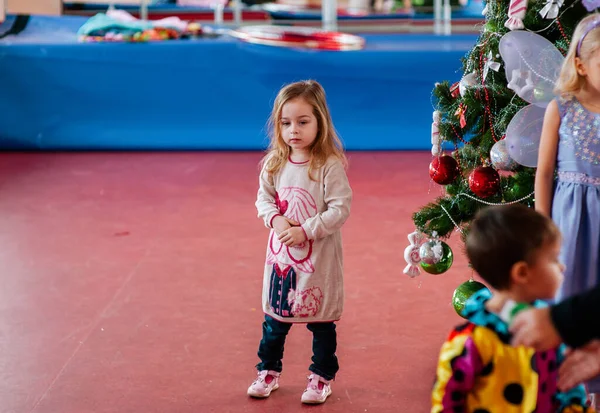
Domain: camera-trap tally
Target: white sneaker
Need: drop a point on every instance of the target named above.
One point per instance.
(265, 383)
(317, 391)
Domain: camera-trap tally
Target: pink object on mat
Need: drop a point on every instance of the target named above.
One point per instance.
(201, 3)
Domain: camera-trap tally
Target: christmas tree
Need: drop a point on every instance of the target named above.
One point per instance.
(472, 160)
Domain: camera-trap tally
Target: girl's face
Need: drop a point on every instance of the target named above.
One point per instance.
(299, 126)
(591, 71)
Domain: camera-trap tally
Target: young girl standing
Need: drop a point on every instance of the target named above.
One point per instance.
(304, 197)
(570, 144)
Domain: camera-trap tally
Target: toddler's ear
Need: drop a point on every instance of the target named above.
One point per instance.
(519, 273)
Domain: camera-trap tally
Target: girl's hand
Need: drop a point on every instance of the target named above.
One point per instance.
(281, 224)
(292, 237)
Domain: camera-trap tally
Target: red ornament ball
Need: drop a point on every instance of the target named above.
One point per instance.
(484, 181)
(443, 169)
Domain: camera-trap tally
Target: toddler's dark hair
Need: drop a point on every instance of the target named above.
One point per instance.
(501, 236)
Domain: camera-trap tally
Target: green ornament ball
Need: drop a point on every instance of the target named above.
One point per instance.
(443, 264)
(463, 292)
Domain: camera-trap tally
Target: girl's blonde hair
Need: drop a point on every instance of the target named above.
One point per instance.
(569, 81)
(326, 144)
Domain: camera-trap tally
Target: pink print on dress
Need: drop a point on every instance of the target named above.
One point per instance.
(305, 303)
(299, 205)
(298, 202)
(282, 206)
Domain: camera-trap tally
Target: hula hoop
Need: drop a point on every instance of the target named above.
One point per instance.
(301, 37)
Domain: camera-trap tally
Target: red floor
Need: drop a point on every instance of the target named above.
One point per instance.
(131, 283)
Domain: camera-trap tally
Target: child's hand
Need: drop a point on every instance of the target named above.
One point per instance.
(281, 223)
(580, 365)
(292, 237)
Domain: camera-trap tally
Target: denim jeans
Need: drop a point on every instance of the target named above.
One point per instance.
(324, 360)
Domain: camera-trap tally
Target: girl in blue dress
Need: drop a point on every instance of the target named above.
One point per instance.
(567, 183)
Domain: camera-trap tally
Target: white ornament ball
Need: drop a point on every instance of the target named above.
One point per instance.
(466, 82)
(501, 158)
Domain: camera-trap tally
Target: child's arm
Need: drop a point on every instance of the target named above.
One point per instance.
(458, 366)
(573, 400)
(265, 199)
(338, 197)
(544, 175)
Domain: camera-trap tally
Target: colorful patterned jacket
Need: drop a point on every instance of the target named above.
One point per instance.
(480, 372)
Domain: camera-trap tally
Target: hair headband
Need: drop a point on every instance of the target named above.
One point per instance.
(595, 23)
